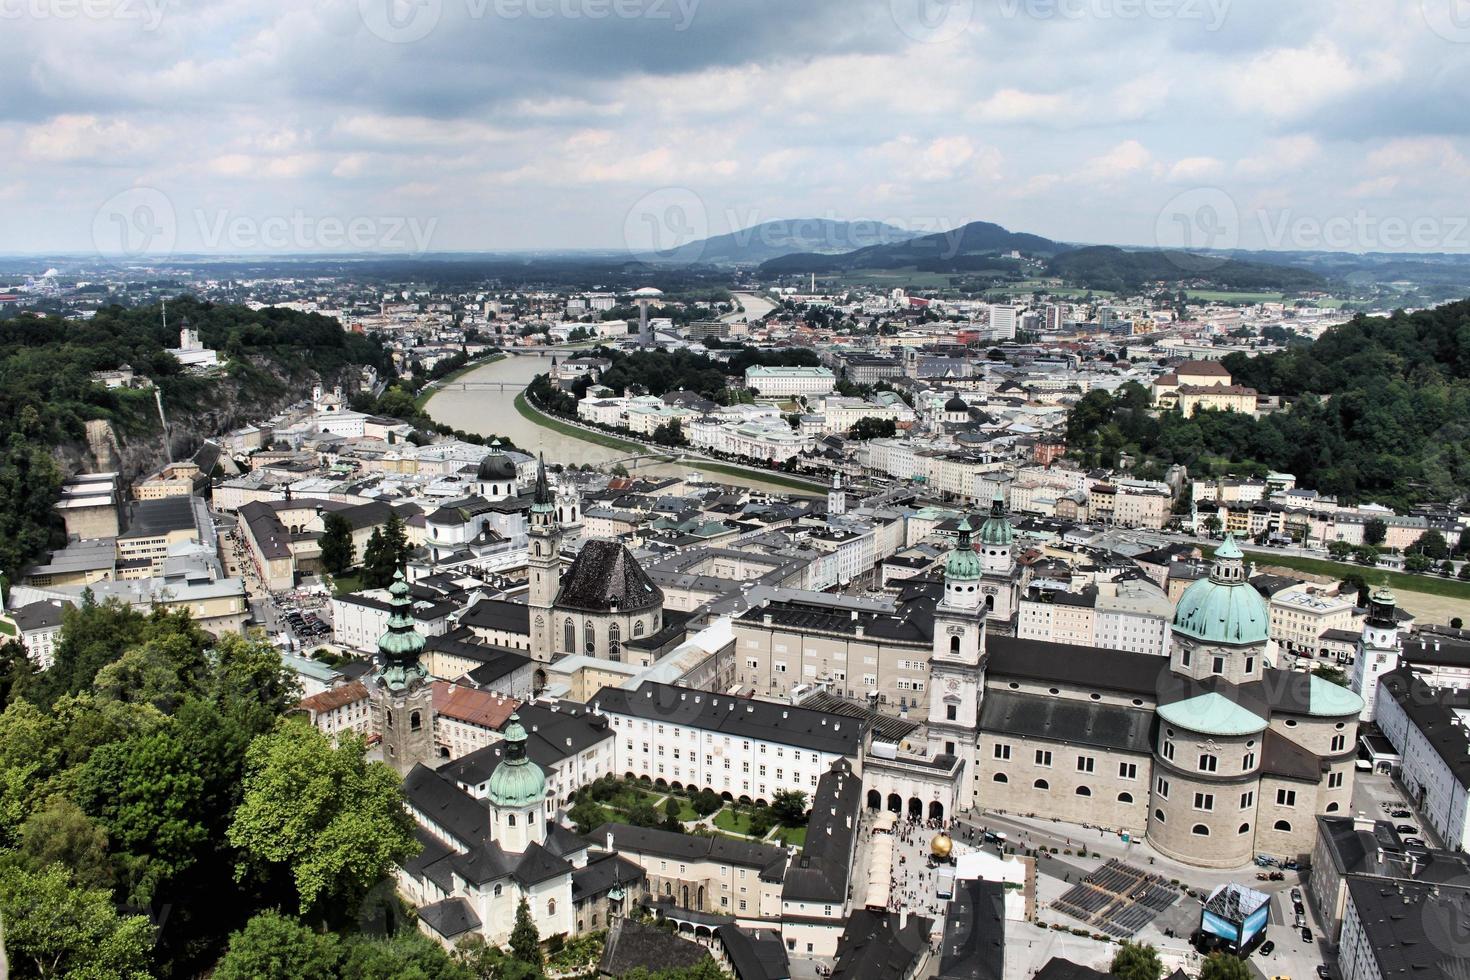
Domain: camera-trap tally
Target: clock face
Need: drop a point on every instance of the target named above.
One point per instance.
(954, 685)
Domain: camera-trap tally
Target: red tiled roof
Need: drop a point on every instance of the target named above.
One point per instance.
(336, 697)
(475, 707)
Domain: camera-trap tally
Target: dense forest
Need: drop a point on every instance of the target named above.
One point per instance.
(47, 394)
(1378, 409)
(1119, 270)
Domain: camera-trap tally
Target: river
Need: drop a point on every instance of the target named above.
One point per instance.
(492, 410)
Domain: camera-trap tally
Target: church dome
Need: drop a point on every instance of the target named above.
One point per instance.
(1224, 608)
(996, 532)
(517, 782)
(496, 466)
(963, 563)
(956, 404)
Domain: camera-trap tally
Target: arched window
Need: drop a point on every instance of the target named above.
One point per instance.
(1001, 777)
(1159, 816)
(589, 641)
(1083, 791)
(390, 718)
(1284, 825)
(1332, 808)
(415, 722)
(638, 628)
(668, 888)
(954, 644)
(551, 906)
(1200, 830)
(614, 641)
(498, 890)
(1245, 828)
(569, 636)
(1041, 784)
(1125, 797)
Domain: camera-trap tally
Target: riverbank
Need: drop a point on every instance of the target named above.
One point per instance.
(421, 400)
(535, 415)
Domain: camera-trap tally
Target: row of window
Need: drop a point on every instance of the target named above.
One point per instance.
(1200, 830)
(1043, 785)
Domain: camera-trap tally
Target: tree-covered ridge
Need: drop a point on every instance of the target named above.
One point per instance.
(1379, 409)
(47, 395)
(1119, 270)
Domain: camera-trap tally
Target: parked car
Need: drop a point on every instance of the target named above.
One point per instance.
(1323, 972)
(1296, 894)
(1267, 948)
(1405, 828)
(1400, 814)
(1415, 842)
(1306, 934)
(1299, 908)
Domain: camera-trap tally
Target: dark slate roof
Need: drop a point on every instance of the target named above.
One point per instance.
(874, 947)
(497, 614)
(1411, 927)
(537, 864)
(1090, 668)
(1380, 853)
(431, 852)
(974, 932)
(1432, 711)
(1437, 649)
(495, 662)
(738, 717)
(1057, 968)
(562, 842)
(39, 615)
(820, 872)
(1108, 726)
(631, 945)
(450, 918)
(447, 805)
(755, 954)
(551, 736)
(482, 864)
(912, 623)
(1280, 756)
(687, 847)
(606, 576)
(599, 875)
(160, 516)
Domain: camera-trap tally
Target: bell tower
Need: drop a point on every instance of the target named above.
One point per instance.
(1378, 650)
(399, 693)
(543, 563)
(957, 659)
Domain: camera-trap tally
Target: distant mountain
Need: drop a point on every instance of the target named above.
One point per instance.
(773, 239)
(1111, 268)
(973, 247)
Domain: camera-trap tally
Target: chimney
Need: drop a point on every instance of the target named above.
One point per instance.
(610, 842)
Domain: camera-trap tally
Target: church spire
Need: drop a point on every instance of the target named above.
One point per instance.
(400, 647)
(543, 493)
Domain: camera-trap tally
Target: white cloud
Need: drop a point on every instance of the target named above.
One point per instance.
(1286, 155)
(1194, 169)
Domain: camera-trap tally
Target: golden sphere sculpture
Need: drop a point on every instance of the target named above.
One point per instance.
(941, 846)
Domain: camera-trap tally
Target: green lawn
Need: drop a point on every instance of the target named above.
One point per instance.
(1226, 296)
(686, 812)
(6, 629)
(792, 836)
(728, 819)
(1399, 581)
(343, 584)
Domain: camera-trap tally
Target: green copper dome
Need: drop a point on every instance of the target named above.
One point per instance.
(963, 564)
(517, 781)
(996, 532)
(1224, 608)
(400, 647)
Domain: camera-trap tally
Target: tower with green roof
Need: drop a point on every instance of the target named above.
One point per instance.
(399, 692)
(1001, 576)
(957, 655)
(1379, 649)
(1221, 623)
(543, 561)
(516, 793)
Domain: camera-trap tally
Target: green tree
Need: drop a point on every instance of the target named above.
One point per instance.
(587, 816)
(525, 941)
(1339, 550)
(377, 562)
(322, 815)
(1375, 531)
(338, 551)
(1223, 966)
(871, 428)
(761, 822)
(1417, 562)
(1136, 961)
(789, 806)
(273, 946)
(54, 928)
(671, 433)
(1333, 675)
(406, 954)
(62, 834)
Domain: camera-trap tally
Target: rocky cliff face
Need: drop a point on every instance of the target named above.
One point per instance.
(135, 454)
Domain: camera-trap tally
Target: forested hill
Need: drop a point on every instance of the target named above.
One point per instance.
(1379, 410)
(1119, 270)
(47, 395)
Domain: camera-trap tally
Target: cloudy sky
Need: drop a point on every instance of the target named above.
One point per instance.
(312, 125)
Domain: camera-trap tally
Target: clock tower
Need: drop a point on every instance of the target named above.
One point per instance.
(543, 561)
(957, 660)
